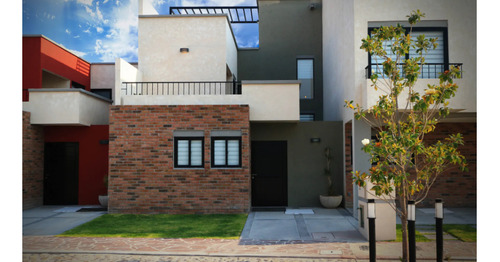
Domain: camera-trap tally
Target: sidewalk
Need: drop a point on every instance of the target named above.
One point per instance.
(458, 251)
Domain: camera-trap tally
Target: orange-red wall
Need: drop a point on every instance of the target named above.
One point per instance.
(41, 54)
(93, 163)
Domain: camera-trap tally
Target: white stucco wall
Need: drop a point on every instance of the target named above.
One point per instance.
(124, 72)
(261, 96)
(67, 107)
(345, 23)
(206, 36)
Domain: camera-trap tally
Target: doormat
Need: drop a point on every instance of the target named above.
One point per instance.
(299, 211)
(92, 209)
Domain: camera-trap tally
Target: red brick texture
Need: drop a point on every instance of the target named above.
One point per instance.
(348, 165)
(141, 161)
(456, 188)
(33, 147)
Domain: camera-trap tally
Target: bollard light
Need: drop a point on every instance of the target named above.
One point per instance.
(439, 208)
(184, 50)
(439, 230)
(371, 229)
(412, 247)
(411, 210)
(371, 208)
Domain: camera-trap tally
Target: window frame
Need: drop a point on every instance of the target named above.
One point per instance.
(189, 138)
(226, 139)
(446, 62)
(313, 75)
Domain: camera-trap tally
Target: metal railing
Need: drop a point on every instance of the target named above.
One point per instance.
(182, 88)
(236, 14)
(428, 70)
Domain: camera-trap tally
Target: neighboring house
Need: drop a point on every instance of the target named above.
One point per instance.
(65, 128)
(199, 125)
(345, 23)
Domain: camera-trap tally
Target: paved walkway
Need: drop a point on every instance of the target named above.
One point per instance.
(230, 248)
(326, 235)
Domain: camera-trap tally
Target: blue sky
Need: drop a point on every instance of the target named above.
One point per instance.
(101, 30)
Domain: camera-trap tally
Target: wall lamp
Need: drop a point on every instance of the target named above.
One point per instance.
(184, 50)
(315, 140)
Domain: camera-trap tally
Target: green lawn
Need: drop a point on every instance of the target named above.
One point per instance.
(465, 233)
(418, 236)
(162, 226)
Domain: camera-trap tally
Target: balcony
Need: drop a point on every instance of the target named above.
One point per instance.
(268, 100)
(67, 106)
(428, 70)
(429, 76)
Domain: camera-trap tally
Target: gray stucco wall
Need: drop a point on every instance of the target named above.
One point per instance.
(306, 161)
(287, 30)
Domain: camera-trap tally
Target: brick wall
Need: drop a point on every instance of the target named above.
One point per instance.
(348, 165)
(33, 147)
(141, 161)
(456, 188)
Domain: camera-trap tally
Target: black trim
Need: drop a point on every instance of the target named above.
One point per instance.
(226, 139)
(189, 165)
(313, 74)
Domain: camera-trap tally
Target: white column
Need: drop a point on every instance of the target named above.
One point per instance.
(385, 221)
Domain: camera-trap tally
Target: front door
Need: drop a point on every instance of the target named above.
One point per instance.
(61, 174)
(269, 173)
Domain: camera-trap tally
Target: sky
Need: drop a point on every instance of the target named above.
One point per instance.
(102, 30)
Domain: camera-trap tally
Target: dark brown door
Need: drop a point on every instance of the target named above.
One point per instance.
(269, 173)
(61, 174)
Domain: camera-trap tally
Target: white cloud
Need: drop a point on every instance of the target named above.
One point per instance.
(105, 1)
(67, 31)
(121, 37)
(85, 2)
(77, 53)
(99, 29)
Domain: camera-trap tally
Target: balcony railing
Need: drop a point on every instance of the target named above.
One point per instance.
(428, 70)
(181, 88)
(236, 14)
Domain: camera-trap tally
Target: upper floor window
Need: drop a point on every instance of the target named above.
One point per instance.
(106, 93)
(305, 73)
(436, 60)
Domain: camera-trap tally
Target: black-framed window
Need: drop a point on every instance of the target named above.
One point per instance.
(226, 152)
(307, 117)
(436, 60)
(188, 152)
(305, 73)
(106, 93)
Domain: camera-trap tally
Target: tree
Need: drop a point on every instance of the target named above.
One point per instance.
(402, 162)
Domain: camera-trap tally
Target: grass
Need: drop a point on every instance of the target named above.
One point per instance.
(418, 236)
(162, 226)
(465, 233)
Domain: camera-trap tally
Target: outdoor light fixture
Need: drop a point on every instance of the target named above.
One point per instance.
(371, 230)
(412, 248)
(371, 208)
(439, 208)
(439, 229)
(184, 50)
(315, 140)
(411, 210)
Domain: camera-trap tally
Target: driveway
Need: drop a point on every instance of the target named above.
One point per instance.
(54, 220)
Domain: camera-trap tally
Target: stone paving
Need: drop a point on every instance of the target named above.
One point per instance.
(36, 247)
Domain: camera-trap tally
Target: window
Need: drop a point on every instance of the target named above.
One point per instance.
(226, 151)
(188, 152)
(106, 93)
(306, 117)
(436, 60)
(305, 73)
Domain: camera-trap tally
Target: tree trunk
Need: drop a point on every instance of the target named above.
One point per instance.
(404, 229)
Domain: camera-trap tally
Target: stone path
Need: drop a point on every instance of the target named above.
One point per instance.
(35, 247)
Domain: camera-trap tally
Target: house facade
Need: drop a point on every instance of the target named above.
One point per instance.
(199, 125)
